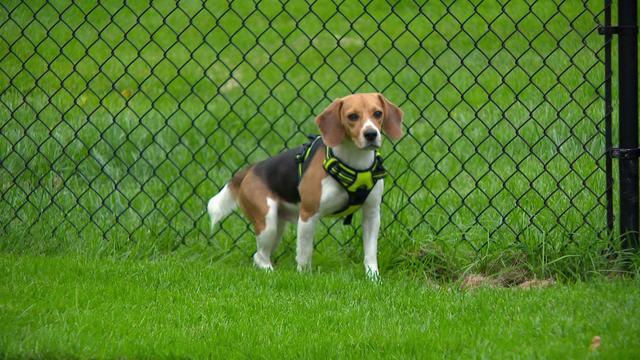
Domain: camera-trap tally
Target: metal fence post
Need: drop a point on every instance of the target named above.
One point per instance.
(628, 111)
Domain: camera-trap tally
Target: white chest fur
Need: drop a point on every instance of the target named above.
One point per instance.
(333, 197)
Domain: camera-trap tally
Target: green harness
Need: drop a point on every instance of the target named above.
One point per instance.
(357, 183)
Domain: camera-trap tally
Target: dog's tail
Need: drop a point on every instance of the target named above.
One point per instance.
(225, 202)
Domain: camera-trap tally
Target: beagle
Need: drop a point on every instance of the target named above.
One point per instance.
(333, 175)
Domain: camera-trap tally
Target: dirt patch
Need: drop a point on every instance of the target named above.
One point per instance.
(537, 283)
(474, 281)
(595, 343)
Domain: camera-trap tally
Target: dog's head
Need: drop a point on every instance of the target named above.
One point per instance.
(360, 118)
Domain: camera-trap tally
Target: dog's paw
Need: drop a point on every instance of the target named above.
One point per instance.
(304, 268)
(373, 275)
(261, 263)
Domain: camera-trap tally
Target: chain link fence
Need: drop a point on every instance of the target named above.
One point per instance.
(119, 120)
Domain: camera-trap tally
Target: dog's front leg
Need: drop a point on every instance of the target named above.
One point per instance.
(370, 229)
(304, 246)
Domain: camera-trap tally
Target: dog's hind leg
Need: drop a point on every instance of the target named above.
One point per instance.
(268, 238)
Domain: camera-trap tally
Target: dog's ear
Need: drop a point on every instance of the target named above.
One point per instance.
(330, 125)
(392, 123)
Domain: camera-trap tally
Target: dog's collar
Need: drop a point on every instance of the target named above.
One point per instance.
(357, 183)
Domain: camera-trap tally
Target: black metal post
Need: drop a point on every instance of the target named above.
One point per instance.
(628, 111)
(608, 115)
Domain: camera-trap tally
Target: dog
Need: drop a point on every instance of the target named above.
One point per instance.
(335, 174)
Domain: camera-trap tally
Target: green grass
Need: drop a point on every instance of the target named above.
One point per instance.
(68, 307)
(112, 144)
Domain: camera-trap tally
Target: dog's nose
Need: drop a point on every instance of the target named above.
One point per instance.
(370, 134)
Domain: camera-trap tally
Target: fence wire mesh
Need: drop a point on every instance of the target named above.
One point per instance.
(119, 120)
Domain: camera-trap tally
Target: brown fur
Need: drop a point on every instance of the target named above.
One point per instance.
(330, 125)
(392, 124)
(311, 186)
(364, 106)
(236, 181)
(335, 124)
(252, 197)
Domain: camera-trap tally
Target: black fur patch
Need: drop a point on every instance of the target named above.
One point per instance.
(280, 173)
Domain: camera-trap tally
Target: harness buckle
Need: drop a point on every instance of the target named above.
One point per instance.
(359, 196)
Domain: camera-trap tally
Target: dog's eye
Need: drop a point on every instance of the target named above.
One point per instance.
(377, 114)
(352, 117)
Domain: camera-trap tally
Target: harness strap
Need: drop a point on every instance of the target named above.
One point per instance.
(357, 183)
(307, 152)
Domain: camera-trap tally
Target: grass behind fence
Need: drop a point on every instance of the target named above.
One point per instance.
(119, 122)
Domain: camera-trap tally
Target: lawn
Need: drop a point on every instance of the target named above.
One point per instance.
(68, 307)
